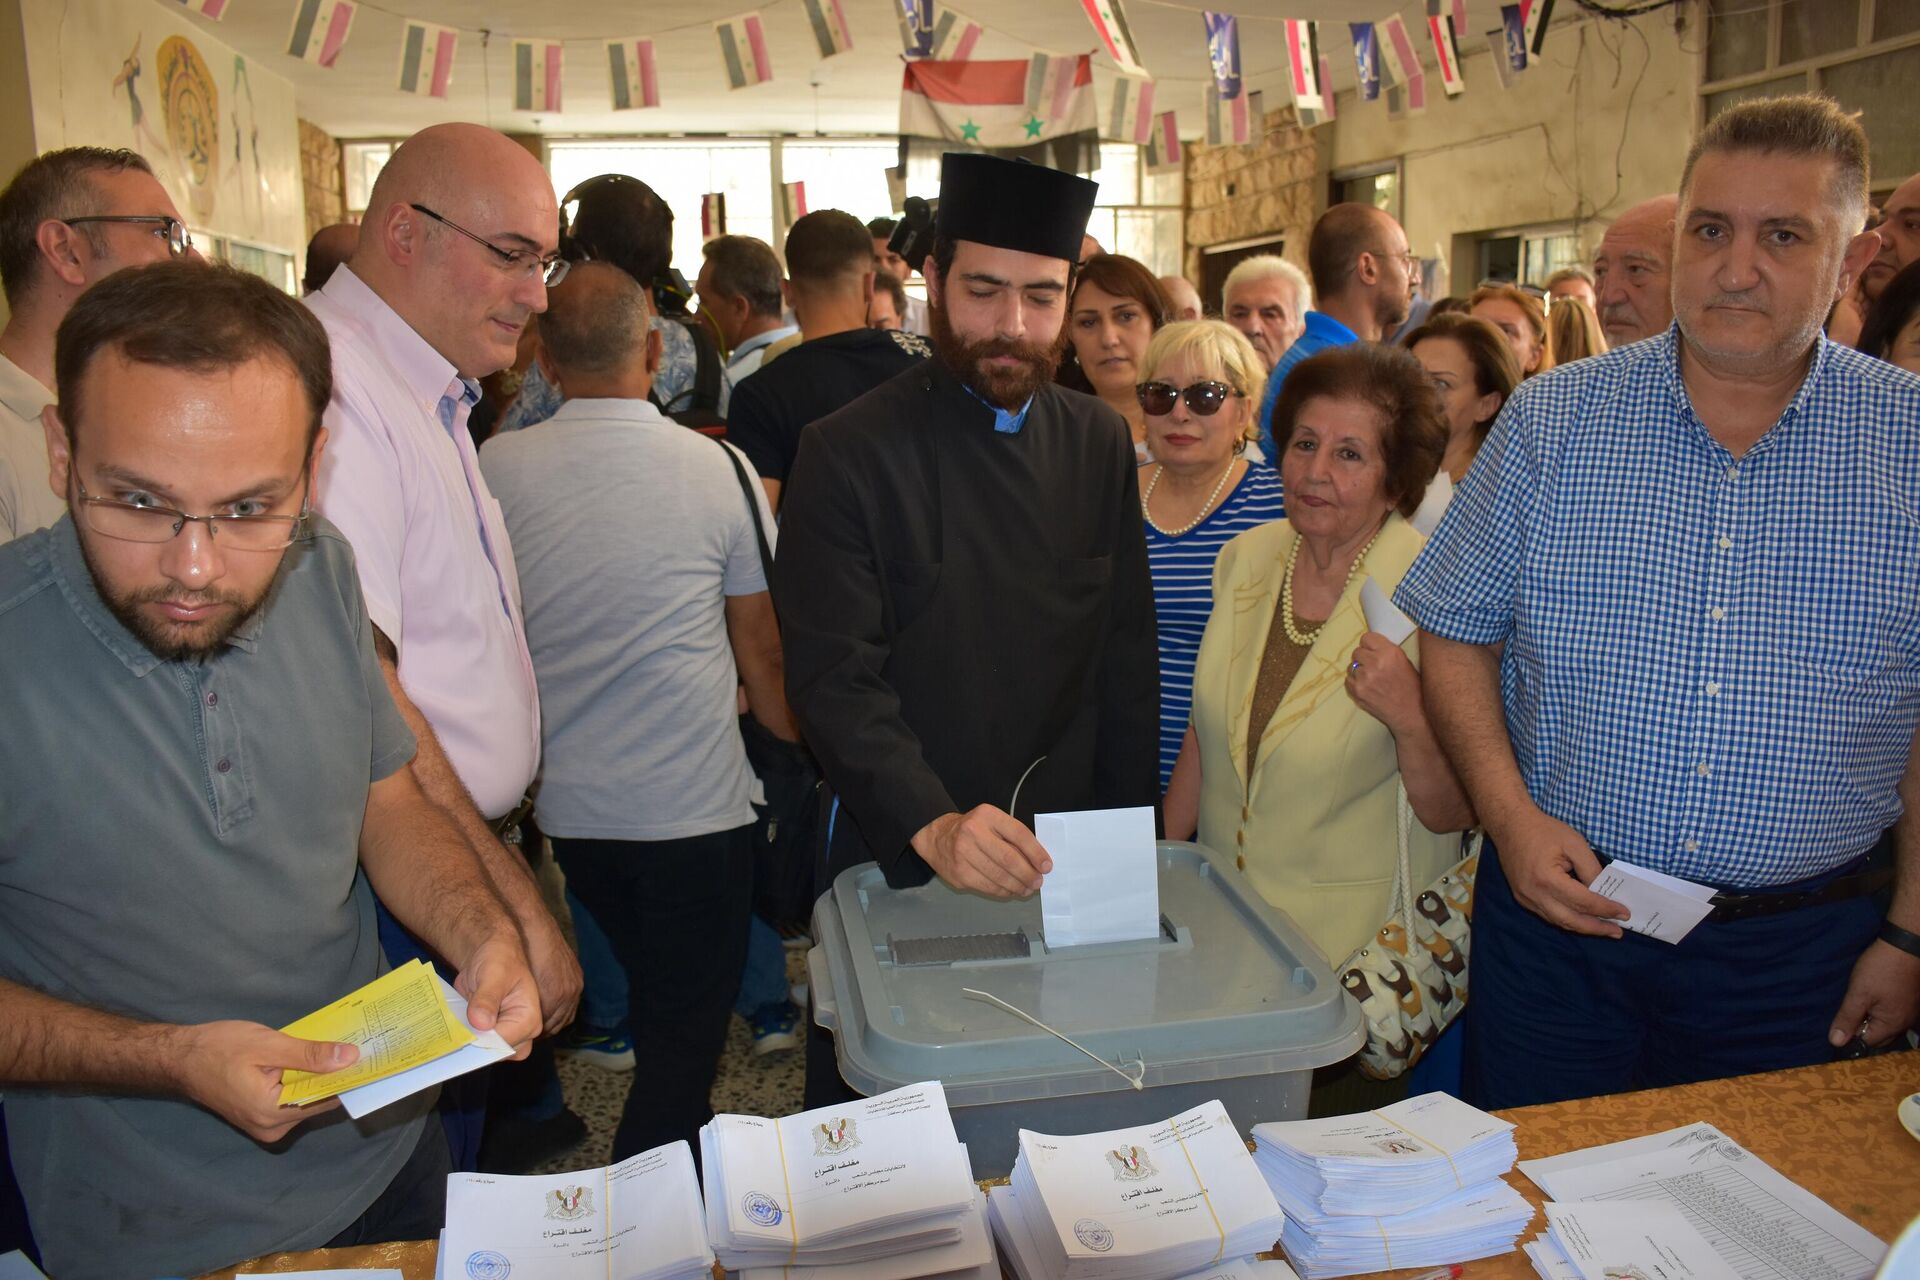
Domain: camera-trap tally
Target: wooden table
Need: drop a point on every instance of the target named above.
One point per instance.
(1831, 1128)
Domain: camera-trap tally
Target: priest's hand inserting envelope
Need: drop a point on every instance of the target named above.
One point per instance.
(1105, 882)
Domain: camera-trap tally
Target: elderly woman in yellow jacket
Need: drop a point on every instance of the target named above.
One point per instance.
(1306, 725)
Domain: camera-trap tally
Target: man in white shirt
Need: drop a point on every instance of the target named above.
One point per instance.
(68, 218)
(739, 290)
(645, 595)
(454, 255)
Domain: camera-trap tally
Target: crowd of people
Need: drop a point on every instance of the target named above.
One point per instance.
(326, 618)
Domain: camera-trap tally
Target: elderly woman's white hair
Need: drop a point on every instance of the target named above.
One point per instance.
(1217, 349)
(1268, 266)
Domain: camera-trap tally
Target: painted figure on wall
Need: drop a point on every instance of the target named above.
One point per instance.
(191, 104)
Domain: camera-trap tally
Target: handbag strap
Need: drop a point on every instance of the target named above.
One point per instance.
(1403, 890)
(760, 530)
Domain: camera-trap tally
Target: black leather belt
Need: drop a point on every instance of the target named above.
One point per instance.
(1729, 905)
(502, 826)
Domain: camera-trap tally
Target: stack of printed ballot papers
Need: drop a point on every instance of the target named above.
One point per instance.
(636, 1220)
(1416, 1184)
(878, 1189)
(1145, 1203)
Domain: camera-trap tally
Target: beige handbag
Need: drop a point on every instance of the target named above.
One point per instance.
(1411, 978)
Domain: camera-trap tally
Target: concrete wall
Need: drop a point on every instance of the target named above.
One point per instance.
(321, 178)
(218, 128)
(1275, 187)
(1543, 151)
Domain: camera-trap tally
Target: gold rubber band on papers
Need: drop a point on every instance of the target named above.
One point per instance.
(1219, 1230)
(786, 1181)
(1386, 1242)
(1430, 1142)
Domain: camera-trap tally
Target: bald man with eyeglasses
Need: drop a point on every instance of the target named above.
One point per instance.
(67, 219)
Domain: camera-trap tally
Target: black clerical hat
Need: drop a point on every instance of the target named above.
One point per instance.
(1011, 204)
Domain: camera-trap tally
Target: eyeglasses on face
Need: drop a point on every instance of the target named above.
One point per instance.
(147, 522)
(172, 230)
(1203, 398)
(551, 269)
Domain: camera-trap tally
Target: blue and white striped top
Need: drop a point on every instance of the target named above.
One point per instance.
(1183, 594)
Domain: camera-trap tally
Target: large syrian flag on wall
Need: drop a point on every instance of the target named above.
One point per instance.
(986, 104)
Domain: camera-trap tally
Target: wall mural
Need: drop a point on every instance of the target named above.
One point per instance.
(219, 129)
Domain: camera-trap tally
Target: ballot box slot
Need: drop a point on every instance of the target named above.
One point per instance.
(959, 948)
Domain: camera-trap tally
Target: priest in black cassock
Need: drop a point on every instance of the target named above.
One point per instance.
(962, 580)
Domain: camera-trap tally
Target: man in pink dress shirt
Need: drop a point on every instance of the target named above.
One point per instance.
(452, 262)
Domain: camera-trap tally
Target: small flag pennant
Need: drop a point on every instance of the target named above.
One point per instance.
(1408, 99)
(793, 199)
(1302, 50)
(1116, 37)
(1446, 49)
(1513, 28)
(1050, 83)
(1459, 16)
(1163, 145)
(1227, 122)
(633, 78)
(1322, 112)
(426, 59)
(1131, 119)
(954, 36)
(536, 75)
(1502, 69)
(1536, 14)
(1257, 111)
(1396, 49)
(1366, 59)
(713, 215)
(743, 51)
(212, 10)
(319, 30)
(829, 26)
(1223, 51)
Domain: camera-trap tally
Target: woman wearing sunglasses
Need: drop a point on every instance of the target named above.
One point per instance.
(1200, 381)
(1306, 725)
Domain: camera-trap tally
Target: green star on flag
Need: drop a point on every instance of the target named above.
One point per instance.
(1033, 126)
(970, 132)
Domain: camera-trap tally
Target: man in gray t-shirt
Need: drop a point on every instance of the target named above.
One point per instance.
(644, 594)
(201, 774)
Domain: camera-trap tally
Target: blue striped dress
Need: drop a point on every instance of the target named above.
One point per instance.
(1183, 594)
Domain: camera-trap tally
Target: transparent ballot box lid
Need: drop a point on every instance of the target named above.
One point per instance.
(1229, 988)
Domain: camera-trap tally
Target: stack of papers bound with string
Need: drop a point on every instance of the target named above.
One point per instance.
(1416, 1184)
(878, 1189)
(1144, 1203)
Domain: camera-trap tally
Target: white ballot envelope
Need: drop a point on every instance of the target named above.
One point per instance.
(1105, 882)
(1663, 906)
(1383, 615)
(488, 1047)
(1611, 1240)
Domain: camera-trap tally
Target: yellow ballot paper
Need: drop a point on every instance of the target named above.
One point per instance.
(399, 1021)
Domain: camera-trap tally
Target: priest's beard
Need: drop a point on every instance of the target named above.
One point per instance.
(1002, 386)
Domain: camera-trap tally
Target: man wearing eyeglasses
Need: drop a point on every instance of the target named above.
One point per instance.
(203, 775)
(455, 255)
(67, 219)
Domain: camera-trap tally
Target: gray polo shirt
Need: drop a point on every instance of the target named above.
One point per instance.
(179, 843)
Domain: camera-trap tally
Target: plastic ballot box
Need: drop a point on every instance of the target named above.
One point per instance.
(1229, 1001)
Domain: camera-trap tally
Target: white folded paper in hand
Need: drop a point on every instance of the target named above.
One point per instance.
(640, 1219)
(877, 1178)
(1137, 1203)
(1105, 882)
(487, 1048)
(1662, 906)
(1383, 615)
(1613, 1239)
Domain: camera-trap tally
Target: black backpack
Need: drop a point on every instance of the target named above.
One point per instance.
(699, 405)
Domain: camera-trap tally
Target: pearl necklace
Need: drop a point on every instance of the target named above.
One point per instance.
(1305, 639)
(1152, 484)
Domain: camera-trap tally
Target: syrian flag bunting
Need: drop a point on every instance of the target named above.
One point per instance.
(999, 103)
(1227, 122)
(1131, 119)
(319, 30)
(1303, 62)
(426, 59)
(1446, 48)
(713, 215)
(1396, 49)
(1164, 154)
(208, 9)
(536, 75)
(1116, 38)
(743, 51)
(633, 79)
(829, 26)
(1536, 15)
(793, 201)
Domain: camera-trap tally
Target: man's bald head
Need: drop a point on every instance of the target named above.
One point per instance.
(1361, 268)
(457, 227)
(1633, 271)
(329, 247)
(1899, 237)
(1185, 298)
(596, 320)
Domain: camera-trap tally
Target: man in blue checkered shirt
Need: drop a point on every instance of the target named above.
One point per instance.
(1673, 618)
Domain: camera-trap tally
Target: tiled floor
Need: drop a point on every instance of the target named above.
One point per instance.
(769, 1086)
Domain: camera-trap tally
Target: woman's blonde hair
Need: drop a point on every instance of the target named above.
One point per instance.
(1575, 330)
(1212, 344)
(1531, 307)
